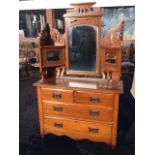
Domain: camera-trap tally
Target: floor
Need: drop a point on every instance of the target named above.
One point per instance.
(32, 144)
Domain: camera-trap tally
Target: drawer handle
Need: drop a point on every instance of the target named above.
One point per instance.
(56, 95)
(94, 113)
(93, 130)
(58, 125)
(60, 109)
(95, 99)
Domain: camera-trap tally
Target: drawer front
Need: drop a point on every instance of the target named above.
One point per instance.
(79, 111)
(57, 95)
(78, 129)
(95, 98)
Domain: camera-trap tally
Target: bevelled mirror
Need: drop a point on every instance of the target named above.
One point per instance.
(52, 56)
(110, 57)
(82, 48)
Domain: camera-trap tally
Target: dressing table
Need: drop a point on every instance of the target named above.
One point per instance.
(78, 95)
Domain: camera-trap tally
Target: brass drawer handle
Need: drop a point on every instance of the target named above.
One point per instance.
(95, 99)
(93, 130)
(58, 125)
(56, 95)
(94, 113)
(59, 109)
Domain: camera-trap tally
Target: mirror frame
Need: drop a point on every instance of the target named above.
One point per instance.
(93, 19)
(88, 51)
(52, 49)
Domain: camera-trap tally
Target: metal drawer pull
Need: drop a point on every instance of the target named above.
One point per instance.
(57, 96)
(94, 113)
(60, 109)
(58, 125)
(93, 130)
(95, 99)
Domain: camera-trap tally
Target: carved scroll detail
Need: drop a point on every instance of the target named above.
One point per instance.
(45, 36)
(58, 38)
(51, 36)
(114, 35)
(84, 8)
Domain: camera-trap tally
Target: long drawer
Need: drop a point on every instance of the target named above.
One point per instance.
(79, 111)
(57, 95)
(78, 129)
(94, 98)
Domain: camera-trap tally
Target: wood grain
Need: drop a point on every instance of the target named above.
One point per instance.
(115, 116)
(40, 111)
(85, 97)
(80, 111)
(78, 129)
(62, 95)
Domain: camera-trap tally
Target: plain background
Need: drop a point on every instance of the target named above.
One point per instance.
(144, 75)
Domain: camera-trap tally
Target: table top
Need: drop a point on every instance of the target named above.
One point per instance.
(95, 84)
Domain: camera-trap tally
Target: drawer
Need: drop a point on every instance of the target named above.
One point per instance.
(90, 112)
(95, 98)
(78, 129)
(57, 95)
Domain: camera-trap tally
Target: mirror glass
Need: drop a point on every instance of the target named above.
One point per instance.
(82, 48)
(53, 56)
(110, 57)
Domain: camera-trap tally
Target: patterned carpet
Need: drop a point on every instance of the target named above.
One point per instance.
(32, 144)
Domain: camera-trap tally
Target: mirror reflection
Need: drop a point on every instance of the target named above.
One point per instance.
(53, 56)
(82, 48)
(110, 57)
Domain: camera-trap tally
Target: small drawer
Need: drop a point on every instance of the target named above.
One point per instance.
(78, 129)
(57, 95)
(86, 112)
(95, 98)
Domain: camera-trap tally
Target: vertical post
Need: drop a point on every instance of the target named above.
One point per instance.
(114, 129)
(40, 110)
(50, 17)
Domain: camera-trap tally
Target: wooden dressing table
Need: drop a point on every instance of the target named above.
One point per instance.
(81, 100)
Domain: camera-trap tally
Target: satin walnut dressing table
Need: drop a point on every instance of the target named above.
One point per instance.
(81, 98)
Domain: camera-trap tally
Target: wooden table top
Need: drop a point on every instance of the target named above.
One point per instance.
(96, 84)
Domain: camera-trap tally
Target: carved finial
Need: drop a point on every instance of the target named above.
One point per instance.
(46, 38)
(82, 8)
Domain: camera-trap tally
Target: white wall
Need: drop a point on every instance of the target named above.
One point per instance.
(45, 4)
